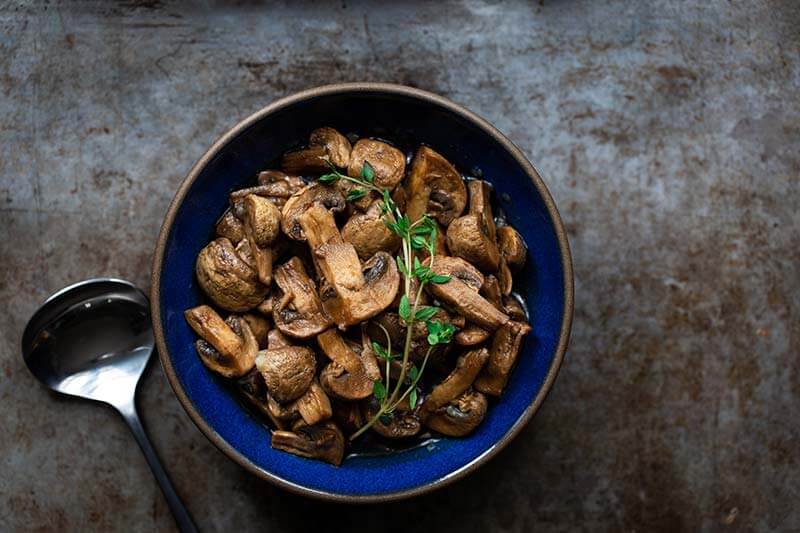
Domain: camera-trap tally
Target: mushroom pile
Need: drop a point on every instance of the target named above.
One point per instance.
(305, 284)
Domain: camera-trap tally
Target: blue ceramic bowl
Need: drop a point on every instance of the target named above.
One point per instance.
(392, 112)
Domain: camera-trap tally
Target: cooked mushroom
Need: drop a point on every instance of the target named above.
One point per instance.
(388, 163)
(245, 253)
(345, 376)
(512, 247)
(321, 441)
(459, 269)
(434, 187)
(514, 309)
(262, 220)
(464, 297)
(259, 326)
(502, 356)
(352, 293)
(230, 282)
(314, 405)
(471, 335)
(230, 227)
(313, 194)
(231, 346)
(288, 371)
(265, 307)
(504, 278)
(390, 321)
(467, 368)
(297, 311)
(326, 146)
(261, 226)
(273, 185)
(254, 390)
(402, 424)
(368, 233)
(473, 236)
(491, 291)
(276, 339)
(461, 416)
(347, 415)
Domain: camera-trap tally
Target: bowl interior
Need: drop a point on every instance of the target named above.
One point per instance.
(399, 117)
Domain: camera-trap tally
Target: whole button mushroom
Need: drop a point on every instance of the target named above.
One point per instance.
(288, 371)
(227, 279)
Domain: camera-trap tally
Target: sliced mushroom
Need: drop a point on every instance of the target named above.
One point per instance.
(273, 185)
(326, 146)
(512, 247)
(345, 376)
(259, 326)
(285, 413)
(368, 233)
(388, 163)
(314, 405)
(464, 297)
(314, 194)
(265, 307)
(297, 310)
(473, 236)
(461, 416)
(321, 441)
(288, 371)
(227, 347)
(352, 293)
(230, 282)
(245, 253)
(402, 424)
(503, 354)
(467, 368)
(434, 187)
(230, 227)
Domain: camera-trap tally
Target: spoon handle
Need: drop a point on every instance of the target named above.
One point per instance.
(179, 512)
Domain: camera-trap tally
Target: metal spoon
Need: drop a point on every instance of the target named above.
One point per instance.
(93, 340)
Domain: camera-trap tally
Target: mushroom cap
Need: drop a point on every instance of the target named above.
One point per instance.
(297, 310)
(471, 335)
(288, 371)
(368, 233)
(461, 416)
(321, 441)
(401, 425)
(388, 162)
(259, 325)
(230, 227)
(314, 193)
(512, 247)
(336, 145)
(434, 187)
(468, 238)
(262, 220)
(225, 278)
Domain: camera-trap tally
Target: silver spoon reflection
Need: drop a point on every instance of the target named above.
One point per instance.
(93, 340)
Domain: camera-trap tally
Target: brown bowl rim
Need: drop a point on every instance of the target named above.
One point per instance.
(340, 88)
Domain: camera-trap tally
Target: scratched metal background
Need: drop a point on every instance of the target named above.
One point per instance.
(670, 133)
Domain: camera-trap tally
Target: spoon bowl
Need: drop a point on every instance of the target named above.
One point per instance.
(93, 340)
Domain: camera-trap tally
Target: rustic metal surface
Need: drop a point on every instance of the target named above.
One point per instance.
(670, 132)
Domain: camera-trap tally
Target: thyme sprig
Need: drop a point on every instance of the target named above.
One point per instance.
(415, 236)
